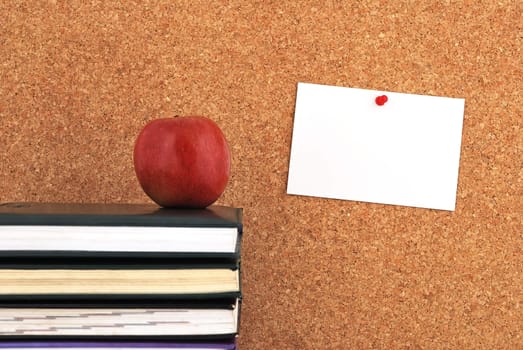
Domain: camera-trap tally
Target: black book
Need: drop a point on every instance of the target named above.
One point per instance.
(119, 319)
(73, 230)
(119, 279)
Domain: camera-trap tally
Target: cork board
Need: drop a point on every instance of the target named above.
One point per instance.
(79, 79)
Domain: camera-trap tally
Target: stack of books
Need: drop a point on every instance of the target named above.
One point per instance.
(119, 276)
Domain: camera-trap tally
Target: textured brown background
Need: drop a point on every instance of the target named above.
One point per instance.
(79, 79)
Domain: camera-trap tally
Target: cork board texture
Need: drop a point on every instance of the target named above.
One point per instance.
(79, 79)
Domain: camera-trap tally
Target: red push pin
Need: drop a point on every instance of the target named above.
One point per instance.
(380, 100)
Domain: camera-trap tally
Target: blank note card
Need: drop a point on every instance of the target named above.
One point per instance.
(404, 152)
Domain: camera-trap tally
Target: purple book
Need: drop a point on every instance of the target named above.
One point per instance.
(19, 345)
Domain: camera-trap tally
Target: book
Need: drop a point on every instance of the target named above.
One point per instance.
(113, 281)
(134, 321)
(105, 345)
(118, 230)
(88, 273)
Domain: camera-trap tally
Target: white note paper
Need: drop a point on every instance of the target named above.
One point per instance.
(405, 152)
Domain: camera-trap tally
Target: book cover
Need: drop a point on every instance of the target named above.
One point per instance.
(118, 230)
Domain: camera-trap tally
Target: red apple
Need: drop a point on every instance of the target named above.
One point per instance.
(182, 161)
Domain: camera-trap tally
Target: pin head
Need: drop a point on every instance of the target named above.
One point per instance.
(380, 100)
